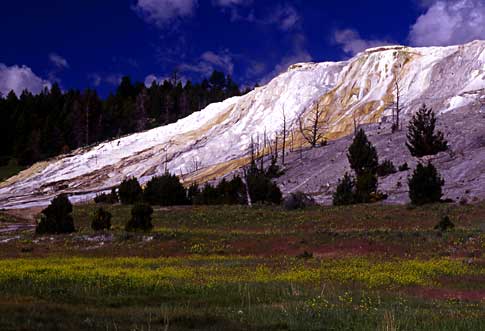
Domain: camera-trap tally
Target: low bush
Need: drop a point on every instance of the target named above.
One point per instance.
(56, 218)
(298, 200)
(404, 167)
(425, 185)
(207, 196)
(232, 192)
(263, 190)
(101, 220)
(386, 168)
(365, 187)
(165, 190)
(141, 218)
(130, 191)
(108, 198)
(192, 192)
(445, 224)
(345, 192)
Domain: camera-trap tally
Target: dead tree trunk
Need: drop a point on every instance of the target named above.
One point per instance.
(315, 132)
(284, 139)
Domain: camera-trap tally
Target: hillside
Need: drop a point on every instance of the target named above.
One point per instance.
(214, 141)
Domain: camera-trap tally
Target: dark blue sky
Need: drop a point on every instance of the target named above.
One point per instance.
(92, 43)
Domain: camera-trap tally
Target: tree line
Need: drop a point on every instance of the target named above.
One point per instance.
(53, 122)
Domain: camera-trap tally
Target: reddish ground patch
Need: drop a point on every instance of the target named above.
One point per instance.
(449, 294)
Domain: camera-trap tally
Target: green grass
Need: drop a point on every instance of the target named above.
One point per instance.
(238, 268)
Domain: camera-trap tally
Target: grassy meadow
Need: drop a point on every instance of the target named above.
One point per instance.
(365, 267)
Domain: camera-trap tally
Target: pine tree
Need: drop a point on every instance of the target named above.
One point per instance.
(130, 191)
(141, 118)
(362, 155)
(165, 190)
(425, 185)
(56, 218)
(345, 193)
(422, 139)
(364, 161)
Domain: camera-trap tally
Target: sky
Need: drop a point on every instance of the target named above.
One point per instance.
(93, 43)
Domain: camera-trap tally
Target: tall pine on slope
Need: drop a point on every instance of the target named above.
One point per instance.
(425, 185)
(422, 139)
(363, 160)
(362, 155)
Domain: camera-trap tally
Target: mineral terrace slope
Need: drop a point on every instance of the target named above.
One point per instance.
(359, 90)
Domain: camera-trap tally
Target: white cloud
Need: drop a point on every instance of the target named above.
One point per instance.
(162, 12)
(352, 43)
(210, 61)
(95, 79)
(160, 79)
(228, 3)
(449, 22)
(111, 79)
(153, 78)
(20, 78)
(222, 61)
(286, 17)
(58, 61)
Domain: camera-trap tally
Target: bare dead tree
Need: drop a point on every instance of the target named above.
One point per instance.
(276, 148)
(356, 124)
(292, 148)
(316, 130)
(284, 138)
(196, 164)
(396, 110)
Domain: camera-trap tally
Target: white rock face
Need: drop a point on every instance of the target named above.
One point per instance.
(362, 88)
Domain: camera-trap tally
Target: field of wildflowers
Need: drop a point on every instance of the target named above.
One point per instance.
(233, 268)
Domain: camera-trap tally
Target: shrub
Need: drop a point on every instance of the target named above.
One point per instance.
(386, 168)
(110, 198)
(232, 192)
(56, 218)
(404, 167)
(445, 224)
(425, 185)
(298, 200)
(165, 190)
(262, 189)
(141, 218)
(101, 220)
(192, 192)
(345, 192)
(130, 191)
(274, 170)
(207, 196)
(365, 187)
(422, 139)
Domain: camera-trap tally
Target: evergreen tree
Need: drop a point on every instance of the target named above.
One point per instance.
(363, 160)
(141, 111)
(345, 193)
(362, 155)
(165, 190)
(101, 220)
(425, 185)
(56, 218)
(130, 191)
(422, 139)
(141, 218)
